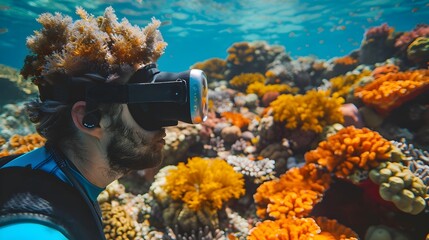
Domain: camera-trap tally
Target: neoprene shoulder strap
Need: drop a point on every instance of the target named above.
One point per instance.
(35, 195)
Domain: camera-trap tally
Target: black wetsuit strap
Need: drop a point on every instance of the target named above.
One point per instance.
(61, 161)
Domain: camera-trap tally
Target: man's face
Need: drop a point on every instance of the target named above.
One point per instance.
(132, 148)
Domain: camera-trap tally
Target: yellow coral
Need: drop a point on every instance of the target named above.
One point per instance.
(341, 85)
(213, 68)
(242, 81)
(399, 185)
(294, 194)
(392, 90)
(309, 112)
(351, 149)
(285, 229)
(204, 182)
(259, 88)
(91, 44)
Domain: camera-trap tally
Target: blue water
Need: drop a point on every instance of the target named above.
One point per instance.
(197, 30)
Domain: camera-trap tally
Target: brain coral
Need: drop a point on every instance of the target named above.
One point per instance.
(418, 50)
(91, 44)
(204, 183)
(392, 90)
(294, 194)
(350, 149)
(311, 111)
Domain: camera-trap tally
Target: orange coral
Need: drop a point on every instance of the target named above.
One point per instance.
(392, 90)
(350, 149)
(22, 144)
(294, 194)
(213, 68)
(385, 69)
(242, 81)
(260, 89)
(237, 119)
(309, 112)
(347, 60)
(285, 229)
(331, 229)
(204, 183)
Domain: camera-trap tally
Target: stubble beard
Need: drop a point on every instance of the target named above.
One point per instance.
(130, 150)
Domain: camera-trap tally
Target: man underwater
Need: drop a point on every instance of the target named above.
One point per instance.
(103, 107)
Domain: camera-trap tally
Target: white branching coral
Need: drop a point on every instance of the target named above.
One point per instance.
(91, 44)
(258, 170)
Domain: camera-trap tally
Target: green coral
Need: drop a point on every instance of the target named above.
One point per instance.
(400, 186)
(418, 50)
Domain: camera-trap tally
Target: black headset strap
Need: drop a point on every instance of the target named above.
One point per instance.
(63, 164)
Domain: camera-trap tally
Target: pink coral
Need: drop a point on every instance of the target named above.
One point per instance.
(421, 30)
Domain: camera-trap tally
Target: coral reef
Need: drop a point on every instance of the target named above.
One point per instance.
(276, 138)
(13, 120)
(330, 228)
(384, 69)
(284, 229)
(91, 44)
(178, 140)
(311, 111)
(418, 51)
(244, 57)
(383, 232)
(378, 45)
(294, 194)
(342, 85)
(242, 81)
(421, 30)
(213, 68)
(399, 185)
(394, 89)
(350, 149)
(261, 89)
(258, 170)
(204, 183)
(22, 144)
(14, 87)
(117, 223)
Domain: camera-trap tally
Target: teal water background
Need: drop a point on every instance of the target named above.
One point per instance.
(196, 30)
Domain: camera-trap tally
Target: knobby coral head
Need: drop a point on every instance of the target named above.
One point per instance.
(101, 45)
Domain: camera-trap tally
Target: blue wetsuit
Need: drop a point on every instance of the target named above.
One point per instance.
(43, 159)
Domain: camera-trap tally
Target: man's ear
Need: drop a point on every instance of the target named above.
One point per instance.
(78, 114)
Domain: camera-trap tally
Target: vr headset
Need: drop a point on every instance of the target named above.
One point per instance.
(155, 99)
